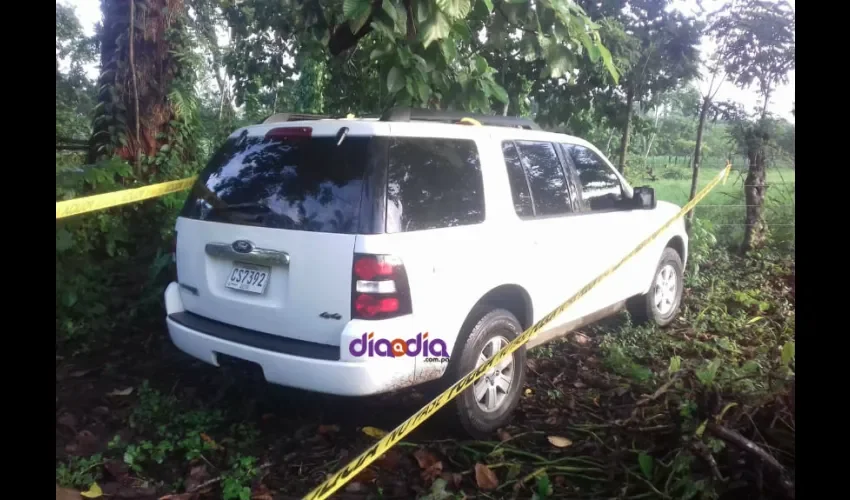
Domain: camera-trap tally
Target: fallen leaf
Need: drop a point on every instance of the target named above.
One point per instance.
(328, 429)
(355, 487)
(504, 435)
(432, 472)
(528, 392)
(560, 442)
(425, 458)
(431, 466)
(374, 432)
(209, 440)
(578, 384)
(100, 410)
(93, 492)
(485, 478)
(121, 392)
(581, 338)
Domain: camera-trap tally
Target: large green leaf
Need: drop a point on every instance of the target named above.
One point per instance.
(499, 93)
(645, 463)
(435, 28)
(609, 62)
(395, 80)
(455, 9)
(353, 9)
(357, 12)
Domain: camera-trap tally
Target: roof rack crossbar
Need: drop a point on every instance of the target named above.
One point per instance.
(291, 117)
(414, 114)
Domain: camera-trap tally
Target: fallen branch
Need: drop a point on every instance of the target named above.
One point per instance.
(734, 437)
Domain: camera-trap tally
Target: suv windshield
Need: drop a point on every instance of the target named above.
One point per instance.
(301, 183)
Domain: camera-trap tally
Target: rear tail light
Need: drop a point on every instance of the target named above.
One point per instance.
(380, 289)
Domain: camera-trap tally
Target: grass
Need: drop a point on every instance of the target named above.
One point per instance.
(724, 207)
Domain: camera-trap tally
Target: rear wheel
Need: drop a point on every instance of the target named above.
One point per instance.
(490, 402)
(661, 304)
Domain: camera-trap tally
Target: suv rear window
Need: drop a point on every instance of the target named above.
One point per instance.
(285, 182)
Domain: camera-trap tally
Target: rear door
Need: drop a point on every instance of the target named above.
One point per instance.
(266, 238)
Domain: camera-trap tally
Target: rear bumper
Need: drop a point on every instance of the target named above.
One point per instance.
(205, 340)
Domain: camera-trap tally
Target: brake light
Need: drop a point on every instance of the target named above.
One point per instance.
(290, 133)
(380, 289)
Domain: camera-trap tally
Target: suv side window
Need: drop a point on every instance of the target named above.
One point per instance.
(520, 190)
(600, 186)
(545, 176)
(433, 183)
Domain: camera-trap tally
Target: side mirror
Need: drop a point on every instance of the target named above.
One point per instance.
(644, 198)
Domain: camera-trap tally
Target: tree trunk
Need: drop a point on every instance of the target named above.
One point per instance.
(755, 190)
(627, 130)
(706, 102)
(133, 107)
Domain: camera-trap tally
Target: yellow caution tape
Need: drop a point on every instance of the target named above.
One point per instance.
(106, 200)
(354, 467)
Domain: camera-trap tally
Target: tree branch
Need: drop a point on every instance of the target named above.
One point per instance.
(343, 38)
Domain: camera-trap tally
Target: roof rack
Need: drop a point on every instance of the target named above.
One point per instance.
(429, 115)
(292, 117)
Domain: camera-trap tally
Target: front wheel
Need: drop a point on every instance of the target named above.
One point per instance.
(489, 403)
(661, 304)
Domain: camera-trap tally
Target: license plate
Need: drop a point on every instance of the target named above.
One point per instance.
(248, 278)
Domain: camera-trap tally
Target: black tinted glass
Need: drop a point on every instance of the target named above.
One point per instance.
(600, 187)
(433, 183)
(286, 182)
(546, 177)
(519, 184)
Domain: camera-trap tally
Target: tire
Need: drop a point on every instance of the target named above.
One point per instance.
(645, 308)
(496, 326)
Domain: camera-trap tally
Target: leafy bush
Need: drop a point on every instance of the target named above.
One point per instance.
(110, 263)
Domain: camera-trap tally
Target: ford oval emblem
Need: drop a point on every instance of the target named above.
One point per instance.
(243, 246)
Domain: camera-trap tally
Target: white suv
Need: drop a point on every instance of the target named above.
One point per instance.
(360, 256)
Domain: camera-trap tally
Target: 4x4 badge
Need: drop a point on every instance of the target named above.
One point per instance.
(243, 246)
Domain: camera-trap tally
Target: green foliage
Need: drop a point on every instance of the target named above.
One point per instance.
(756, 40)
(236, 481)
(79, 472)
(424, 55)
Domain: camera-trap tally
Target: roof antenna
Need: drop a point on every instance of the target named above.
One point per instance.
(341, 135)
